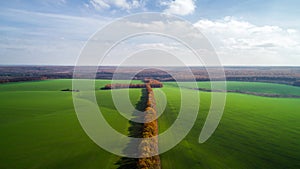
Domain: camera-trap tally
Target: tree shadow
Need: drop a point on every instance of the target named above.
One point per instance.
(135, 130)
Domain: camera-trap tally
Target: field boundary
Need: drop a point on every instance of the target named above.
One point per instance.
(149, 129)
(249, 93)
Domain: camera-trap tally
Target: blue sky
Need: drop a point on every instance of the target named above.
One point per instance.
(243, 32)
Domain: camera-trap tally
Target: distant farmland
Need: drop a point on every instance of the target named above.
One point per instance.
(273, 74)
(39, 128)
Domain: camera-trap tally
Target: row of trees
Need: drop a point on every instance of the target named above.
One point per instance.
(150, 130)
(121, 86)
(21, 79)
(151, 82)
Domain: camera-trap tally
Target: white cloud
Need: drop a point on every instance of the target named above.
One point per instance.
(51, 2)
(58, 38)
(236, 42)
(100, 4)
(158, 45)
(179, 7)
(291, 31)
(121, 4)
(244, 43)
(52, 38)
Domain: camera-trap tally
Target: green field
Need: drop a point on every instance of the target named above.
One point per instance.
(255, 132)
(39, 128)
(257, 87)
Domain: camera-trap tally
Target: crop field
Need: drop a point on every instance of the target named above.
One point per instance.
(255, 132)
(257, 87)
(39, 128)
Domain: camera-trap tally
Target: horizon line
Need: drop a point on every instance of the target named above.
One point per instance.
(66, 65)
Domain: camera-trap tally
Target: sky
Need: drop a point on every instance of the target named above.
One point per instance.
(242, 32)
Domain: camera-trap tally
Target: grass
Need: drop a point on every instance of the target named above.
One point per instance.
(255, 132)
(257, 87)
(39, 128)
(52, 85)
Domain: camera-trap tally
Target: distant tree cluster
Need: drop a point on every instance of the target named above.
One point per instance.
(70, 90)
(297, 83)
(150, 130)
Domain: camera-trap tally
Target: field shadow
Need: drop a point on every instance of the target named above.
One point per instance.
(135, 130)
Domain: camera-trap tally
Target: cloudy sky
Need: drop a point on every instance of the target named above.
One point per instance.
(242, 32)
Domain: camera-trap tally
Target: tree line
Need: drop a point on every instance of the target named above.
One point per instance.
(152, 83)
(150, 130)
